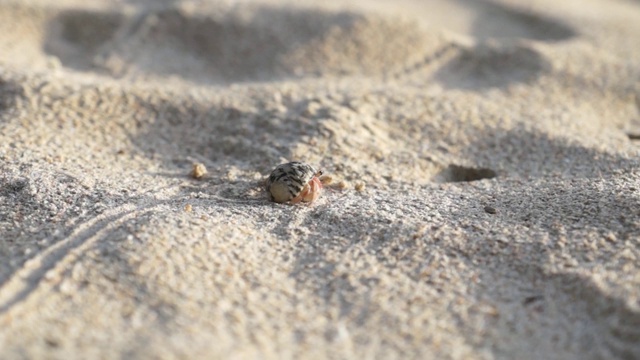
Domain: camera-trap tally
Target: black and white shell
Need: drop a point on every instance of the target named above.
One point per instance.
(288, 180)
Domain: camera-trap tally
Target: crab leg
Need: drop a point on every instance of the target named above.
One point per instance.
(302, 195)
(315, 188)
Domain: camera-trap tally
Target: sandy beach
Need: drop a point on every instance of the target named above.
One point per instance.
(485, 158)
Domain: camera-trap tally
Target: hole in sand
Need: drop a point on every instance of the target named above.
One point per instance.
(634, 136)
(456, 173)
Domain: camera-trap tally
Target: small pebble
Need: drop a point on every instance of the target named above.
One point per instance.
(188, 208)
(342, 185)
(490, 209)
(360, 186)
(198, 171)
(326, 180)
(610, 237)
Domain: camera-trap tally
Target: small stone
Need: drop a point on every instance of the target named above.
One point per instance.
(312, 109)
(490, 209)
(198, 171)
(54, 63)
(610, 237)
(188, 208)
(360, 186)
(342, 185)
(326, 180)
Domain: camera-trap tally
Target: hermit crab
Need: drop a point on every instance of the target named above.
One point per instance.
(294, 182)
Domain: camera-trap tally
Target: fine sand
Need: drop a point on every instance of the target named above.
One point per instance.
(485, 158)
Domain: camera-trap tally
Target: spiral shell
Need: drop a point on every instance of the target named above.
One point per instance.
(288, 181)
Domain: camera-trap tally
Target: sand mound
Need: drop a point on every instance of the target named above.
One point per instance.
(217, 45)
(492, 66)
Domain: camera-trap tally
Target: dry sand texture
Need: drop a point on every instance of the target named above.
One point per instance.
(109, 249)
